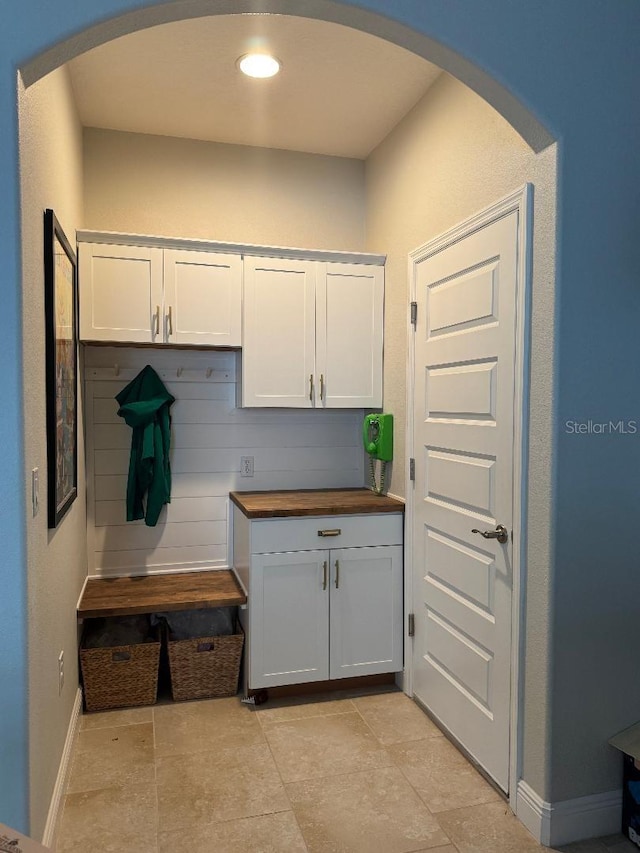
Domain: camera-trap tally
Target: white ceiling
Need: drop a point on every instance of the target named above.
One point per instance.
(340, 91)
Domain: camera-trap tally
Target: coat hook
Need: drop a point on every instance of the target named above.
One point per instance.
(117, 369)
(209, 372)
(179, 372)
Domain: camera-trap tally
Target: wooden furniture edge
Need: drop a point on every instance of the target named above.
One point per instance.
(367, 506)
(90, 606)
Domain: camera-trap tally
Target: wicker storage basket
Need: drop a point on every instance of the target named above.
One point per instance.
(120, 676)
(205, 666)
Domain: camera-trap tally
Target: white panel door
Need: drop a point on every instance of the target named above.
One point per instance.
(203, 298)
(278, 345)
(120, 293)
(366, 611)
(464, 422)
(349, 330)
(289, 618)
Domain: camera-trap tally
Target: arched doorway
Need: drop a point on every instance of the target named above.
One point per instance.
(537, 135)
(530, 128)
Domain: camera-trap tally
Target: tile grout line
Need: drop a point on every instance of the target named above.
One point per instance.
(77, 753)
(347, 773)
(438, 734)
(350, 772)
(403, 774)
(305, 717)
(386, 751)
(264, 743)
(441, 811)
(84, 730)
(283, 783)
(331, 775)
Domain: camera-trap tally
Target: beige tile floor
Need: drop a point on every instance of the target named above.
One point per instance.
(353, 774)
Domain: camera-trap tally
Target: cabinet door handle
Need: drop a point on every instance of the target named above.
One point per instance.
(324, 575)
(322, 386)
(311, 387)
(170, 321)
(337, 573)
(336, 531)
(157, 318)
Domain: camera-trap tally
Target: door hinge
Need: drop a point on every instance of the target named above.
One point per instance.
(412, 469)
(411, 625)
(414, 313)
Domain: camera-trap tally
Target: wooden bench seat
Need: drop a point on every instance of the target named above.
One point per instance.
(151, 593)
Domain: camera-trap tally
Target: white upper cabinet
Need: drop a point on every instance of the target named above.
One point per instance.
(278, 347)
(312, 334)
(151, 294)
(120, 293)
(310, 323)
(203, 298)
(349, 327)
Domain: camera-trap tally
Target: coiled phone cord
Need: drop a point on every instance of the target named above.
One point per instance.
(383, 470)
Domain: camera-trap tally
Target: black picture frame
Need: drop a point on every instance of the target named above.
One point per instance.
(61, 321)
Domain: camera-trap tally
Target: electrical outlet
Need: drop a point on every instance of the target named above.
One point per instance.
(246, 466)
(35, 491)
(60, 672)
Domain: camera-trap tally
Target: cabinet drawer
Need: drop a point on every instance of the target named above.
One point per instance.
(275, 535)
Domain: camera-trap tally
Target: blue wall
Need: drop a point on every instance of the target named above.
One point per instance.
(13, 613)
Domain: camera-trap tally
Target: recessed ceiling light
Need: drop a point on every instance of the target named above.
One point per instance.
(259, 65)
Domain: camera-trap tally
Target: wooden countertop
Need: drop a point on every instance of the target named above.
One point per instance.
(151, 593)
(302, 502)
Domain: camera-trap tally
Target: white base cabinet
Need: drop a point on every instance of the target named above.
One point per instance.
(320, 613)
(290, 623)
(365, 612)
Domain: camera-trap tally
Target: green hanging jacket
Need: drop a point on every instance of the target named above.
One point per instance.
(144, 405)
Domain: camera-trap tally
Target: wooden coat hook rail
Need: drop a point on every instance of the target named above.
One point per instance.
(176, 374)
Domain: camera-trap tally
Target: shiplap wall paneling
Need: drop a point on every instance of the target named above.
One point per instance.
(291, 449)
(192, 532)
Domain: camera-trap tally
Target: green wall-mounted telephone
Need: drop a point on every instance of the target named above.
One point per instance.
(377, 434)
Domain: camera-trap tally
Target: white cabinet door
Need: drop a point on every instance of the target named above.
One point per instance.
(120, 293)
(349, 332)
(366, 611)
(289, 618)
(279, 333)
(203, 298)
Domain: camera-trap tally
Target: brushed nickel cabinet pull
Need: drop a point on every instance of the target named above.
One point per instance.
(311, 386)
(337, 573)
(157, 319)
(170, 321)
(336, 531)
(324, 575)
(322, 386)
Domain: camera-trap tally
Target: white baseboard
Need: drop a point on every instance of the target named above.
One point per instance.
(57, 797)
(554, 824)
(534, 812)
